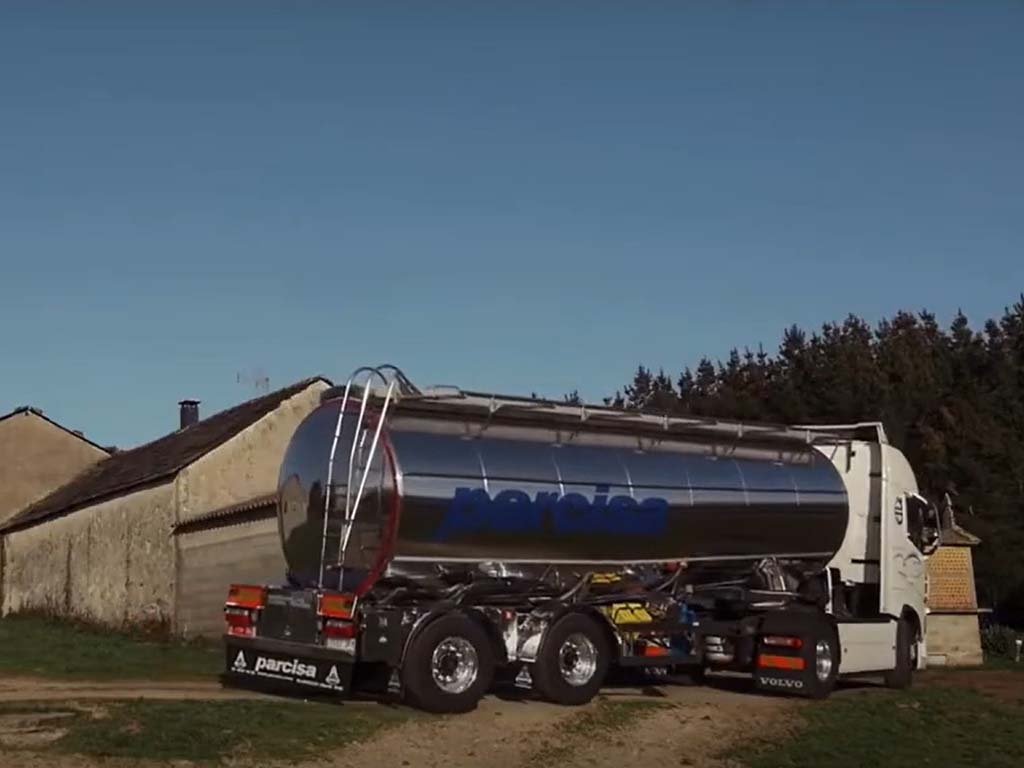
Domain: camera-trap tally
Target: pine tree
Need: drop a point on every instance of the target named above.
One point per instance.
(951, 400)
(638, 394)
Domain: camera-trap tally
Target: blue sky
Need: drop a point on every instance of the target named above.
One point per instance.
(511, 196)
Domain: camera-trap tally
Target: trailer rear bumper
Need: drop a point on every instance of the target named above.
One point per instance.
(254, 660)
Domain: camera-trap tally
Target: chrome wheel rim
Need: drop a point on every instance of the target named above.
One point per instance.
(823, 660)
(577, 659)
(454, 665)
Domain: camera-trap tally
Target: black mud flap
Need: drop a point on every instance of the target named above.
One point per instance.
(794, 683)
(795, 670)
(256, 666)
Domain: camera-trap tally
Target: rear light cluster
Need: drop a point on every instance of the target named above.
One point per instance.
(241, 610)
(337, 619)
(794, 663)
(649, 648)
(772, 661)
(780, 641)
(336, 628)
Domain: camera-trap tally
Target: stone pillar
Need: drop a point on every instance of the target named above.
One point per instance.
(953, 633)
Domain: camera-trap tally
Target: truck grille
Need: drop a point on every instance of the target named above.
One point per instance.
(289, 615)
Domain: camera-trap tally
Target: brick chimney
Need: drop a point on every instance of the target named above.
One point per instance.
(188, 411)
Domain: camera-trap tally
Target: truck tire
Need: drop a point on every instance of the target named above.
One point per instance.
(449, 665)
(573, 661)
(902, 675)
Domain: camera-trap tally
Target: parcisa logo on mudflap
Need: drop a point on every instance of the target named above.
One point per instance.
(473, 510)
(293, 667)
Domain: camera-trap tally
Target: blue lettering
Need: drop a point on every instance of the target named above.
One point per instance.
(653, 514)
(513, 511)
(571, 513)
(472, 510)
(621, 510)
(466, 513)
(600, 518)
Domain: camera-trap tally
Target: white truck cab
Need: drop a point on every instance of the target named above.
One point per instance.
(879, 575)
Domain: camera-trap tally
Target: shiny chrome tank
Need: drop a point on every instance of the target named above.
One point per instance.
(445, 488)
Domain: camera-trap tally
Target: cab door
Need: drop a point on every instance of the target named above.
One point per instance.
(909, 532)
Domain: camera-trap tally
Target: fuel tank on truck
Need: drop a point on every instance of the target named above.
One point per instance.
(470, 478)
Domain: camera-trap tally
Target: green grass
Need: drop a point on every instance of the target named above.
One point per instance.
(1006, 663)
(929, 726)
(208, 731)
(38, 646)
(604, 722)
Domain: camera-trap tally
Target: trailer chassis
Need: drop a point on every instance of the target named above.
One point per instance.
(442, 649)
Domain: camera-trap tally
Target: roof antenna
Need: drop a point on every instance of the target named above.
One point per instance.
(255, 379)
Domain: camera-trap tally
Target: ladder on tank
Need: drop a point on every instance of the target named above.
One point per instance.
(357, 470)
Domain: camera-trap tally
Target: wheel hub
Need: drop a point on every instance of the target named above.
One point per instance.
(577, 659)
(454, 665)
(822, 660)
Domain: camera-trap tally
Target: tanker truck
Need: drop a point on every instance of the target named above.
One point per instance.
(440, 540)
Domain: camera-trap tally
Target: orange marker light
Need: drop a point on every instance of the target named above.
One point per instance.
(769, 661)
(246, 596)
(337, 606)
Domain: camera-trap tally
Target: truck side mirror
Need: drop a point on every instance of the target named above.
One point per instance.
(924, 524)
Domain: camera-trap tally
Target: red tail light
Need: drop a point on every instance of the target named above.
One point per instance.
(335, 628)
(240, 622)
(779, 641)
(241, 609)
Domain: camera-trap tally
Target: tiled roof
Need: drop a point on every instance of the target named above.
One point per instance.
(230, 512)
(160, 459)
(957, 537)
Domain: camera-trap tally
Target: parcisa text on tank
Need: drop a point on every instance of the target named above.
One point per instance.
(473, 510)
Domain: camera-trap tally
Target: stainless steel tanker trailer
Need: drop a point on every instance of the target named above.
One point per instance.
(439, 540)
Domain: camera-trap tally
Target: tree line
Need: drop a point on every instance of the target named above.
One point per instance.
(951, 398)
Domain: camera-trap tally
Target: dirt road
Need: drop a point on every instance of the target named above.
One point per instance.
(13, 689)
(664, 726)
(683, 726)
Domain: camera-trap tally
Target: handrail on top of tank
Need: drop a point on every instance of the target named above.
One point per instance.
(804, 434)
(493, 403)
(350, 508)
(350, 517)
(330, 482)
(371, 371)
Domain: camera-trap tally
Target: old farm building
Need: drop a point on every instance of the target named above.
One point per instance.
(37, 456)
(155, 534)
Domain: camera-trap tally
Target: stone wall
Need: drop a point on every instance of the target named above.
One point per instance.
(954, 640)
(212, 559)
(112, 563)
(247, 465)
